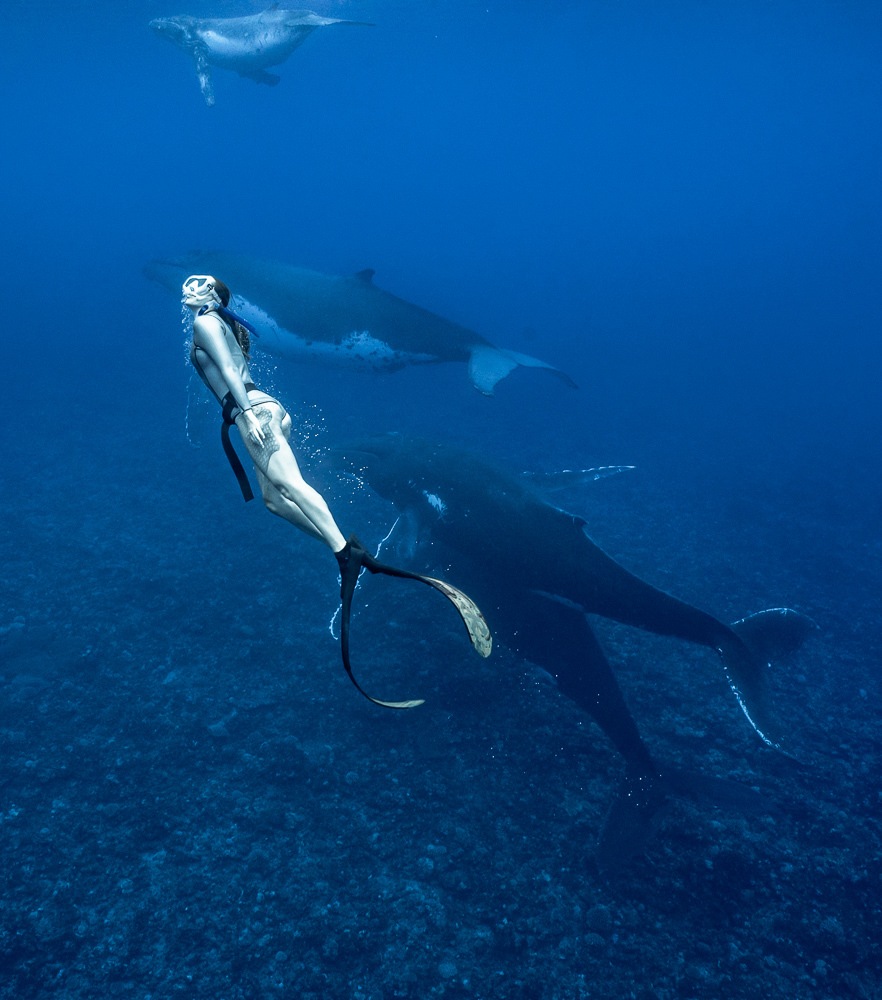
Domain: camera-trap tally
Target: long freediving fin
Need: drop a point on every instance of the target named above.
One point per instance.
(352, 559)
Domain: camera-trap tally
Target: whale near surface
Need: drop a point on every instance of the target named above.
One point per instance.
(247, 45)
(536, 575)
(343, 320)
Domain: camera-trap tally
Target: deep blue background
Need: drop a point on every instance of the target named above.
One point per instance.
(678, 203)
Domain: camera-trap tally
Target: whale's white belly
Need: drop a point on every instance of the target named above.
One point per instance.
(359, 349)
(252, 49)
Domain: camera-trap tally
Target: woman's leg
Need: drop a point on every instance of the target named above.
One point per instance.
(285, 492)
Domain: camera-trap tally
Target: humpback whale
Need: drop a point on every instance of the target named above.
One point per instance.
(307, 315)
(536, 574)
(247, 45)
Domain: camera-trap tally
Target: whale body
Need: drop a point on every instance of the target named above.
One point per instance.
(248, 45)
(343, 320)
(536, 575)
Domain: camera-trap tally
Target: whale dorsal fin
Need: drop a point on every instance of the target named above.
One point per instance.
(366, 276)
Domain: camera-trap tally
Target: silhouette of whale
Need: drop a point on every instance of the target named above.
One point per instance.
(536, 574)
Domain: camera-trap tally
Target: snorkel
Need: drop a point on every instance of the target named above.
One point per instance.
(232, 317)
(206, 293)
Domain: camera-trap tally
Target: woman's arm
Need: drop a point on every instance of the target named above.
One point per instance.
(208, 335)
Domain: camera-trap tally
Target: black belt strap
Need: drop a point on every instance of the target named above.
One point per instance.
(228, 405)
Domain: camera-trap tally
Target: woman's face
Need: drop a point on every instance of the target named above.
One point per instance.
(198, 291)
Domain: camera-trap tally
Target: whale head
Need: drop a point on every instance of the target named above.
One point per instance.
(396, 467)
(176, 29)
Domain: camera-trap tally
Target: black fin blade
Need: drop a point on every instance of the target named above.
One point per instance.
(348, 581)
(469, 612)
(475, 624)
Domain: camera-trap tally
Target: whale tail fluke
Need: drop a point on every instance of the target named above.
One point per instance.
(489, 365)
(746, 673)
(755, 641)
(646, 790)
(775, 632)
(632, 819)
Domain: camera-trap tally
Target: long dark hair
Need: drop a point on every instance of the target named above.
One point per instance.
(243, 337)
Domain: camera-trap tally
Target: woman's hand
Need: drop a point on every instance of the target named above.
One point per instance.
(252, 427)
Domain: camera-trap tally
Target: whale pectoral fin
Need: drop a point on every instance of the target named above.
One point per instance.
(203, 74)
(261, 76)
(570, 479)
(489, 365)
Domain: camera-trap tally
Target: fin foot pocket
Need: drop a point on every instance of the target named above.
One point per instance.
(352, 559)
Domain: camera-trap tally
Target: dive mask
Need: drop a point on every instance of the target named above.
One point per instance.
(198, 290)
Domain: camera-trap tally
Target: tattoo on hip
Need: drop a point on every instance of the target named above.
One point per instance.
(264, 452)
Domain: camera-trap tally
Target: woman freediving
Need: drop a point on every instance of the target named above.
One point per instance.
(220, 352)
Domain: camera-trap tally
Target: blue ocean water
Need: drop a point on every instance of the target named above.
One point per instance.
(676, 203)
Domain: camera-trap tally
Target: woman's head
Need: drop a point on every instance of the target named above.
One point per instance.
(204, 293)
(200, 290)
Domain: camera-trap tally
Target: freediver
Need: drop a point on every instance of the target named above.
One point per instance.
(220, 352)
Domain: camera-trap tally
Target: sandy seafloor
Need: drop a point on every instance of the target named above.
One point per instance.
(677, 203)
(195, 801)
